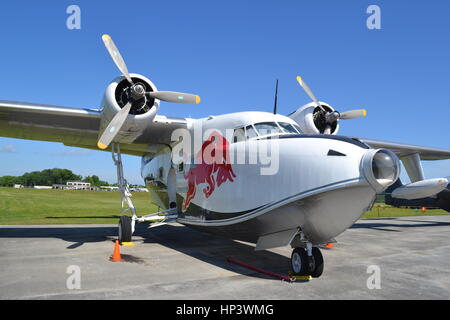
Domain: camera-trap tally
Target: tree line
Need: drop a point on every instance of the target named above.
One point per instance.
(49, 177)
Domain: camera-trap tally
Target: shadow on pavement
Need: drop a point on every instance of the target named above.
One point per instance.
(205, 247)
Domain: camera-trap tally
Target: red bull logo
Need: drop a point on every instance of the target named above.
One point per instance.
(212, 167)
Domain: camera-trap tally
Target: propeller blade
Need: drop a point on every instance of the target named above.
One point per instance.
(308, 91)
(171, 96)
(116, 56)
(353, 114)
(114, 127)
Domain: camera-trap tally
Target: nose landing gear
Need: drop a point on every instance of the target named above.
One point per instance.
(304, 263)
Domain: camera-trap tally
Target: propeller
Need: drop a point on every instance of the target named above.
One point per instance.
(137, 91)
(325, 117)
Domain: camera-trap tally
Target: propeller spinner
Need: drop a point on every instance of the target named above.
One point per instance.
(137, 92)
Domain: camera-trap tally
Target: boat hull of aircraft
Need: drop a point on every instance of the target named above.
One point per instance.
(325, 189)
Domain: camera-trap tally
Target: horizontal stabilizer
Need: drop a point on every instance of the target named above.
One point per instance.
(420, 189)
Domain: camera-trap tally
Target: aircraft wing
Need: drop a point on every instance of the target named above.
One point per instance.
(77, 127)
(403, 150)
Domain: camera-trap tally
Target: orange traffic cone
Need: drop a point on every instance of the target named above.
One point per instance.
(116, 255)
(329, 245)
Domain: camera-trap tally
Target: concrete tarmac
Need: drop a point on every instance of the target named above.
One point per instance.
(412, 255)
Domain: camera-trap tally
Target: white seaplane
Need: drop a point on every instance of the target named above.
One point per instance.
(315, 185)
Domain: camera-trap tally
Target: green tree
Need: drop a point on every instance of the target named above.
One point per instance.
(45, 177)
(95, 181)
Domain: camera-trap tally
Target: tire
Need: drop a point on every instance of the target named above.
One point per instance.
(300, 262)
(318, 263)
(124, 229)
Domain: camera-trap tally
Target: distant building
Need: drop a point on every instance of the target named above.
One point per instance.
(42, 187)
(79, 185)
(139, 189)
(18, 186)
(109, 188)
(75, 185)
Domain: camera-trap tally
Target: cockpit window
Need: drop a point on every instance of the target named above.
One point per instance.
(239, 135)
(264, 129)
(267, 128)
(250, 132)
(287, 127)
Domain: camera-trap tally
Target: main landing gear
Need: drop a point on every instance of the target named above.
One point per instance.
(125, 229)
(127, 224)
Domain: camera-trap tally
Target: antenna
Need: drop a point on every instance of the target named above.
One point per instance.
(276, 98)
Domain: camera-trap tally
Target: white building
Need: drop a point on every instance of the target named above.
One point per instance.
(75, 185)
(109, 188)
(79, 185)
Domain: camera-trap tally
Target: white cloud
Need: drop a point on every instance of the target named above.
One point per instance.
(8, 148)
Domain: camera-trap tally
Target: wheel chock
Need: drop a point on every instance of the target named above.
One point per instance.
(127, 244)
(301, 278)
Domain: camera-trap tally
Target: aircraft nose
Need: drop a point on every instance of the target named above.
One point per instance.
(381, 168)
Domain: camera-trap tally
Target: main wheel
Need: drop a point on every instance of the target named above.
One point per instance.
(318, 263)
(300, 262)
(125, 229)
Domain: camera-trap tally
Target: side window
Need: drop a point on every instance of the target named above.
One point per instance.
(238, 135)
(250, 132)
(287, 127)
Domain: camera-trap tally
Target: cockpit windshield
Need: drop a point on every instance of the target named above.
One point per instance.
(267, 128)
(264, 129)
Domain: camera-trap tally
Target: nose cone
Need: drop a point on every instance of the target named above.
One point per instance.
(381, 168)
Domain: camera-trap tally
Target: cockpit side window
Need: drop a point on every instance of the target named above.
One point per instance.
(287, 127)
(239, 135)
(267, 128)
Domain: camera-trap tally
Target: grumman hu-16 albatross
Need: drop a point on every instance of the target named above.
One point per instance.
(259, 177)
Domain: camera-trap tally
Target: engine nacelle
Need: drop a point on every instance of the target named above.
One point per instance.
(308, 120)
(142, 111)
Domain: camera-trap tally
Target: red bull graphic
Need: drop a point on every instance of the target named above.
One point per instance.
(212, 166)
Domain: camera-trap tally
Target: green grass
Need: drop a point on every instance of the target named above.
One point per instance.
(33, 206)
(385, 211)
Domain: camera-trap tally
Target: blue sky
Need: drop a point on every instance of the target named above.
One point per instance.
(231, 53)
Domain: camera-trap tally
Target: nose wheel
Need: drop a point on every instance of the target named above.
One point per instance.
(303, 264)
